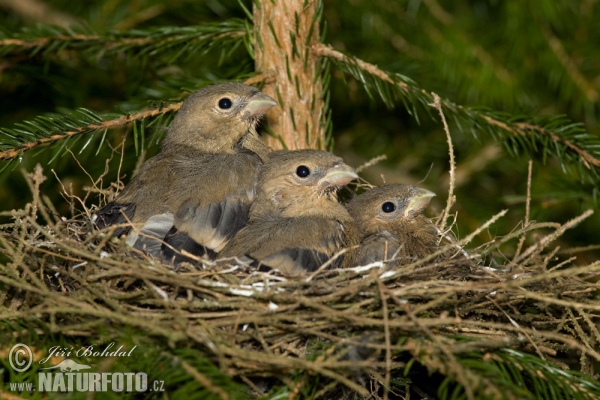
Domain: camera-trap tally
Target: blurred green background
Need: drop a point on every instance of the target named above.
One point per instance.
(523, 58)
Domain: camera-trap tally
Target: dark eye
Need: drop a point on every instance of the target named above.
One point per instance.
(225, 103)
(303, 171)
(388, 207)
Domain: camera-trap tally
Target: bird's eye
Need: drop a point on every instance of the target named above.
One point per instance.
(303, 171)
(388, 207)
(225, 103)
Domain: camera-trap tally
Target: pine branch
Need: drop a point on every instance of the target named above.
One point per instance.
(556, 135)
(186, 41)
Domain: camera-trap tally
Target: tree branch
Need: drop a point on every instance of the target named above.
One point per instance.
(516, 129)
(124, 120)
(160, 39)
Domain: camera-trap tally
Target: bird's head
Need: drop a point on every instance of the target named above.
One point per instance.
(301, 182)
(219, 118)
(388, 207)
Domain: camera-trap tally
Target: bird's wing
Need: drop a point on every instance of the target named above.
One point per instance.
(215, 207)
(296, 260)
(141, 198)
(150, 238)
(115, 214)
(205, 230)
(291, 245)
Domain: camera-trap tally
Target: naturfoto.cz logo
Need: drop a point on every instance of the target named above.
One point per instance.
(70, 376)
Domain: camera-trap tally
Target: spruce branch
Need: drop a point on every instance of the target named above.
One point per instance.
(88, 122)
(555, 135)
(187, 41)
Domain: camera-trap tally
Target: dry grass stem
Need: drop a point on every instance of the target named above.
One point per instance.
(451, 198)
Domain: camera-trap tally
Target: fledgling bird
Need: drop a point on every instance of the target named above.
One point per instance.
(196, 193)
(391, 224)
(296, 223)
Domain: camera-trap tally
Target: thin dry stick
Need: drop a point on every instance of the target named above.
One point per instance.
(541, 244)
(371, 162)
(453, 365)
(437, 104)
(591, 325)
(515, 324)
(461, 243)
(527, 205)
(388, 345)
(327, 263)
(582, 335)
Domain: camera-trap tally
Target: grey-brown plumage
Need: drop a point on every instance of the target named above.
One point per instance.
(296, 223)
(391, 224)
(196, 193)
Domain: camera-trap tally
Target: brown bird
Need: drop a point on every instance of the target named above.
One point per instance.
(296, 223)
(391, 224)
(196, 193)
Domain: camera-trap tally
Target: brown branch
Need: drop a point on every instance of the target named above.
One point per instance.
(32, 43)
(124, 120)
(586, 157)
(323, 50)
(27, 43)
(518, 129)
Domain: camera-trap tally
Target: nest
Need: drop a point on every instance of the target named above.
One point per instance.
(364, 332)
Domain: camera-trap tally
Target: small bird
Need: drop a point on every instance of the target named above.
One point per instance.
(196, 193)
(296, 223)
(391, 224)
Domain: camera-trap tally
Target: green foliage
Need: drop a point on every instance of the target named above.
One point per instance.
(540, 137)
(168, 44)
(520, 375)
(70, 128)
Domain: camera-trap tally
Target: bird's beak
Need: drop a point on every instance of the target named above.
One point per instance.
(258, 105)
(339, 175)
(418, 201)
